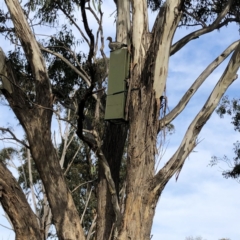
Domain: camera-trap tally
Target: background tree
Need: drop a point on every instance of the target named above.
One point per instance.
(194, 238)
(232, 108)
(41, 75)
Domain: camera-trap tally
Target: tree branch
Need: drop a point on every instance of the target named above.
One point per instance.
(85, 208)
(31, 181)
(198, 82)
(102, 43)
(189, 141)
(88, 31)
(163, 32)
(81, 73)
(73, 22)
(14, 136)
(202, 23)
(90, 232)
(139, 19)
(182, 42)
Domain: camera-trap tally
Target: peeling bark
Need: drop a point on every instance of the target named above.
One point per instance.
(164, 29)
(143, 118)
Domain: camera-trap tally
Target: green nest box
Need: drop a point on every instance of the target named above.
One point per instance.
(117, 91)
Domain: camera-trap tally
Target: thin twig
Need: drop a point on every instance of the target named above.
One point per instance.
(13, 136)
(74, 23)
(7, 227)
(73, 158)
(76, 188)
(86, 206)
(90, 232)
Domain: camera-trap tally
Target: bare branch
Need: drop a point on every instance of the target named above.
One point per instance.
(6, 227)
(182, 42)
(73, 22)
(46, 218)
(202, 23)
(88, 31)
(102, 43)
(198, 82)
(90, 232)
(94, 143)
(72, 160)
(77, 187)
(81, 73)
(31, 181)
(99, 21)
(190, 139)
(73, 53)
(85, 208)
(14, 137)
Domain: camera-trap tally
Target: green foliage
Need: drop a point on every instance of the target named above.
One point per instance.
(7, 154)
(232, 108)
(23, 73)
(204, 11)
(64, 79)
(235, 171)
(2, 17)
(154, 4)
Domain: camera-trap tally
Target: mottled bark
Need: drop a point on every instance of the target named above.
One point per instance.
(149, 73)
(15, 204)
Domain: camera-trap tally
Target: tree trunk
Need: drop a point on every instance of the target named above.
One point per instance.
(113, 146)
(148, 76)
(65, 215)
(15, 204)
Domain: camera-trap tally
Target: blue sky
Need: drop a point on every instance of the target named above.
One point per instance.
(201, 202)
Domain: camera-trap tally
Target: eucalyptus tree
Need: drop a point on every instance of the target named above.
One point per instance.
(40, 74)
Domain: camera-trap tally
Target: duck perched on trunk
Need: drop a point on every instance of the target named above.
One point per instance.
(115, 45)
